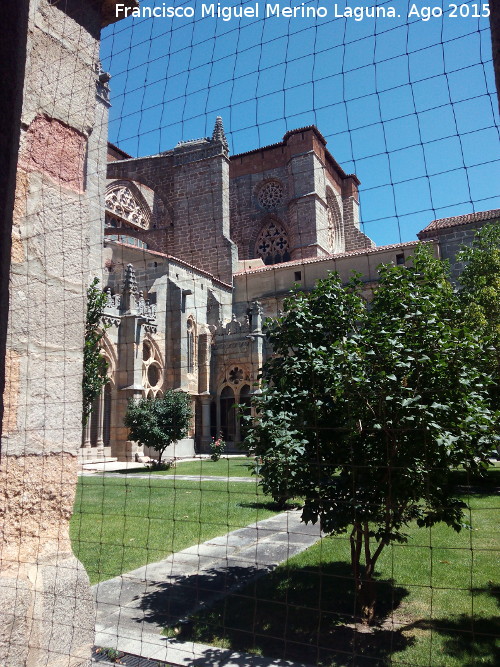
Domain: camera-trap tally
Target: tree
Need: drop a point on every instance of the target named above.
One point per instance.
(365, 410)
(158, 422)
(95, 366)
(480, 295)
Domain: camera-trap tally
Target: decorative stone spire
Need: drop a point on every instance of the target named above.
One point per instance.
(102, 82)
(219, 134)
(130, 291)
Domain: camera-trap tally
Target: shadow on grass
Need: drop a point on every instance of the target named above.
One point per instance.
(291, 613)
(469, 640)
(271, 505)
(171, 602)
(478, 485)
(472, 640)
(307, 615)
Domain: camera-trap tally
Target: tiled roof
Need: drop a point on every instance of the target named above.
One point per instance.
(282, 142)
(156, 253)
(290, 133)
(327, 258)
(444, 223)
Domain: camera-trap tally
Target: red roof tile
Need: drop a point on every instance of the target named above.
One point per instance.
(444, 223)
(327, 258)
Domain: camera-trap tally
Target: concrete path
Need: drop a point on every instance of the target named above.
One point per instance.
(113, 465)
(173, 477)
(132, 609)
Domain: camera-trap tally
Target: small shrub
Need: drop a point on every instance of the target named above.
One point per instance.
(111, 654)
(217, 448)
(161, 465)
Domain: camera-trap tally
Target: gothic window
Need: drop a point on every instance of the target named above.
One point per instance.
(335, 228)
(228, 414)
(126, 205)
(272, 244)
(152, 375)
(270, 195)
(190, 346)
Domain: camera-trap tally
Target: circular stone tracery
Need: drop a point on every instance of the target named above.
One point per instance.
(152, 376)
(270, 195)
(272, 244)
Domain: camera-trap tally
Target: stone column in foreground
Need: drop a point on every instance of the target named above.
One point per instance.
(46, 607)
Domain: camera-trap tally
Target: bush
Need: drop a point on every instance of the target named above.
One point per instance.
(217, 448)
(161, 465)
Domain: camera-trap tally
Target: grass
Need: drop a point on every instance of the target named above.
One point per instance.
(438, 601)
(120, 524)
(231, 467)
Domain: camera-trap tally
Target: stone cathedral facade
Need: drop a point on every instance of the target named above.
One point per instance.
(198, 247)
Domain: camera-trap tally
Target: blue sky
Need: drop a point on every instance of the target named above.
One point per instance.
(408, 105)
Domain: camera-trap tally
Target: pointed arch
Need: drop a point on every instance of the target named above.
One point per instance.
(191, 344)
(336, 239)
(124, 201)
(109, 352)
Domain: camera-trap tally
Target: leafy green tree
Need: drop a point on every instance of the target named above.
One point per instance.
(95, 367)
(480, 279)
(480, 295)
(365, 410)
(159, 422)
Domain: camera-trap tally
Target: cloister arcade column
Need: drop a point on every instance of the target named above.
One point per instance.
(204, 357)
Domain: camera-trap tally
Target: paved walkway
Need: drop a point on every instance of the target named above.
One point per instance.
(172, 477)
(132, 609)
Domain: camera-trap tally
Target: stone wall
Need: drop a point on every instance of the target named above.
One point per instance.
(47, 610)
(306, 172)
(453, 233)
(192, 183)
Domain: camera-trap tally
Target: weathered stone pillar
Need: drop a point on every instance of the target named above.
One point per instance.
(46, 606)
(100, 423)
(206, 400)
(86, 435)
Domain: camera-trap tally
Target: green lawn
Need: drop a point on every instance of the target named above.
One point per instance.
(438, 590)
(232, 467)
(122, 523)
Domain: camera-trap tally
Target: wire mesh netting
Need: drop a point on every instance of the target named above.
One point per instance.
(288, 453)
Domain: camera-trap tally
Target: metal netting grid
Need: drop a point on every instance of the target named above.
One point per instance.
(193, 566)
(383, 117)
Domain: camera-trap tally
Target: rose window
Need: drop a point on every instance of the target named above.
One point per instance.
(272, 244)
(235, 375)
(270, 195)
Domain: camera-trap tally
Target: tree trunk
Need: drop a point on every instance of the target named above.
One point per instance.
(367, 599)
(364, 584)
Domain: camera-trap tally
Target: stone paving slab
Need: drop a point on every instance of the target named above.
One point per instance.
(132, 609)
(190, 654)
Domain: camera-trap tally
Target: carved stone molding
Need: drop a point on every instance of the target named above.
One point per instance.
(121, 201)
